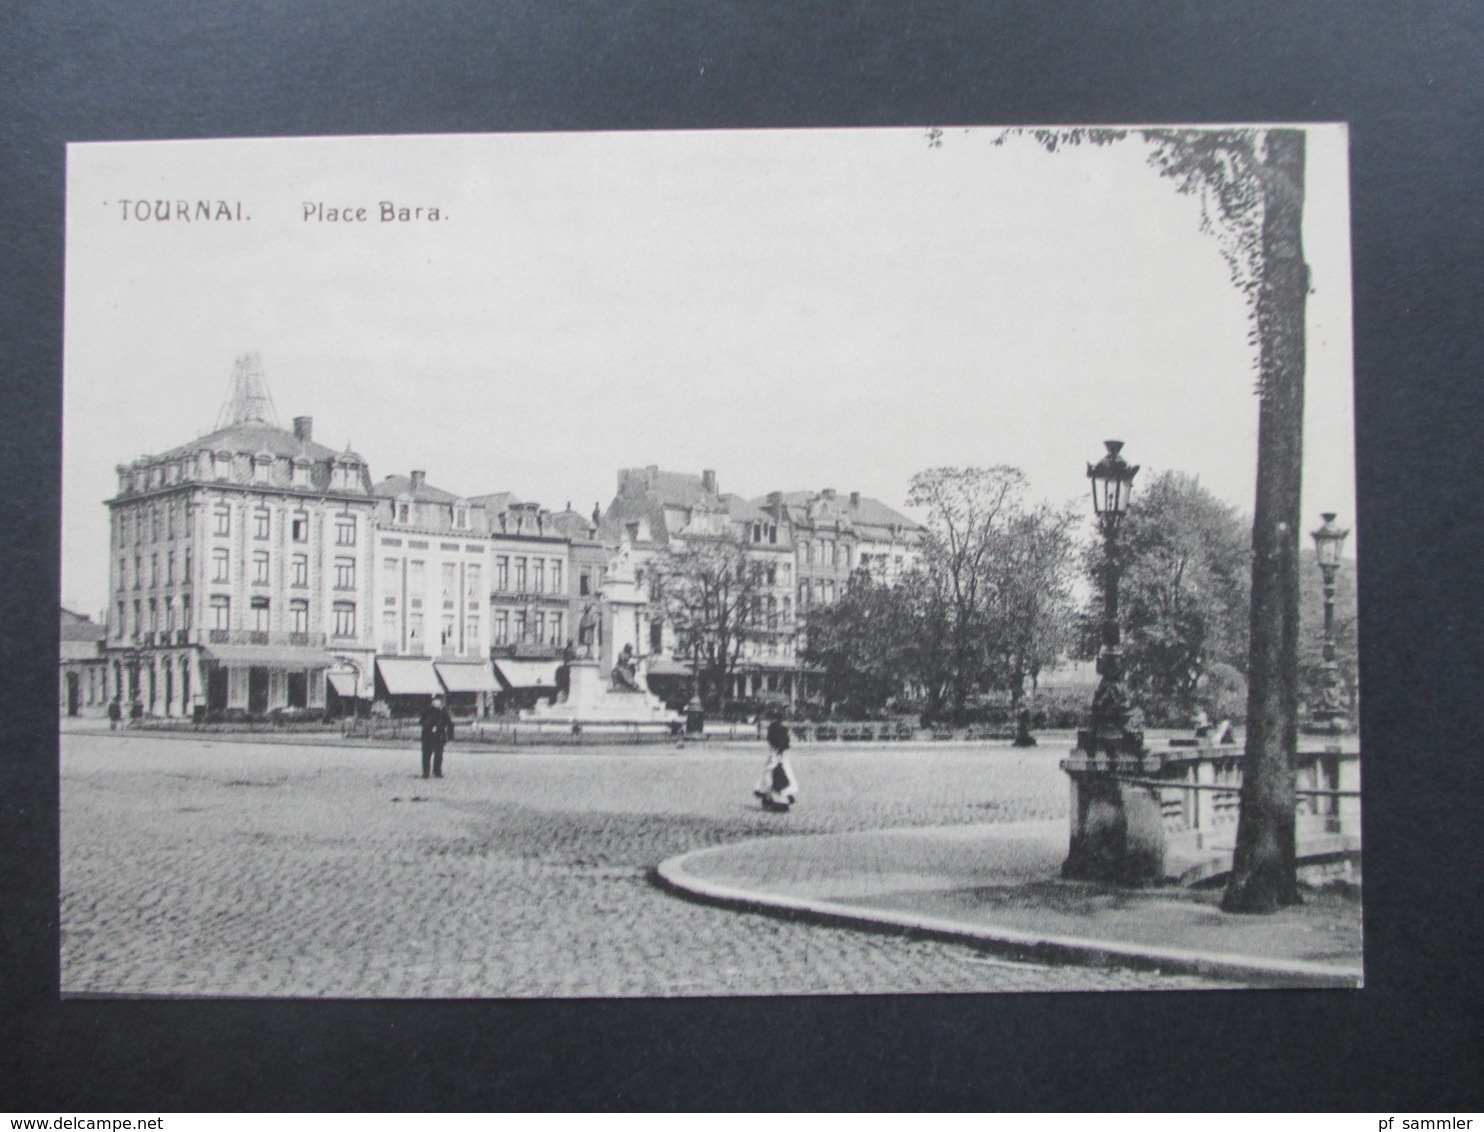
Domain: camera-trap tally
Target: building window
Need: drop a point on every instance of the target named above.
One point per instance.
(502, 627)
(556, 629)
(221, 612)
(154, 622)
(345, 530)
(223, 520)
(138, 619)
(471, 634)
(301, 475)
(185, 565)
(585, 582)
(299, 615)
(450, 585)
(260, 614)
(472, 596)
(299, 529)
(345, 573)
(185, 611)
(389, 636)
(773, 533)
(520, 575)
(170, 568)
(260, 522)
(219, 567)
(170, 519)
(415, 633)
(449, 637)
(260, 568)
(502, 573)
(154, 524)
(461, 518)
(118, 628)
(538, 575)
(260, 469)
(138, 572)
(345, 618)
(540, 627)
(556, 576)
(519, 626)
(123, 573)
(404, 513)
(415, 585)
(299, 570)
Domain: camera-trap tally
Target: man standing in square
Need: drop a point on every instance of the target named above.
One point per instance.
(437, 727)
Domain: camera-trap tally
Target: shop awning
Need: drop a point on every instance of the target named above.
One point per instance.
(344, 684)
(527, 673)
(466, 677)
(408, 676)
(268, 656)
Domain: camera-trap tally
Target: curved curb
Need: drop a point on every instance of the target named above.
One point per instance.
(673, 876)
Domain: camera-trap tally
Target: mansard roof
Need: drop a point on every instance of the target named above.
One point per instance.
(256, 437)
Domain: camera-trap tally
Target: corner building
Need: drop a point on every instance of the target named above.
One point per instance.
(240, 572)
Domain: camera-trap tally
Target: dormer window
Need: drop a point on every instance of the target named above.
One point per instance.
(404, 512)
(224, 465)
(301, 474)
(262, 466)
(461, 518)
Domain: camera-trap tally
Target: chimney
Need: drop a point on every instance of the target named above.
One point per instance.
(651, 474)
(855, 500)
(775, 499)
(304, 428)
(417, 479)
(827, 493)
(708, 480)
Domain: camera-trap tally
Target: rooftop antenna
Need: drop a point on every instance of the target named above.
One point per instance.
(248, 400)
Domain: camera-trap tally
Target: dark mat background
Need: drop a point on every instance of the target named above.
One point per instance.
(1406, 77)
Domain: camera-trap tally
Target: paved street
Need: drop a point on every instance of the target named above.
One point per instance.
(212, 868)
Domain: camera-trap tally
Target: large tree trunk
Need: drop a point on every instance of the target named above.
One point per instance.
(1264, 870)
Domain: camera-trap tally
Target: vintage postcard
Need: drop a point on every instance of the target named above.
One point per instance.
(710, 563)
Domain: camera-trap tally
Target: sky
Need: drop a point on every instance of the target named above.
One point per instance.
(794, 309)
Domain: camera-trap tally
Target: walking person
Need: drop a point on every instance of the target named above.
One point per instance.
(115, 714)
(437, 730)
(778, 789)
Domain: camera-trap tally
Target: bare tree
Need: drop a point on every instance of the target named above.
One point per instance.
(966, 512)
(710, 592)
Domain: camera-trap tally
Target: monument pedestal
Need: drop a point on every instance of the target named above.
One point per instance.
(591, 699)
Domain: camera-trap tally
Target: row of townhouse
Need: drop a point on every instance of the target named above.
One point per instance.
(255, 569)
(806, 546)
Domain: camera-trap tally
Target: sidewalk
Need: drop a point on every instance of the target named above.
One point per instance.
(997, 886)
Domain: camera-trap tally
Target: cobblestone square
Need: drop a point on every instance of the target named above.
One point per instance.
(214, 868)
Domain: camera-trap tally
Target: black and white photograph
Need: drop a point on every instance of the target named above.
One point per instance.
(710, 563)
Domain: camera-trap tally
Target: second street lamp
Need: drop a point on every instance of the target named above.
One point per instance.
(1329, 542)
(1112, 486)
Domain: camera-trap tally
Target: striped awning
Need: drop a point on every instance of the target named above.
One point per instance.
(466, 677)
(527, 673)
(344, 684)
(408, 676)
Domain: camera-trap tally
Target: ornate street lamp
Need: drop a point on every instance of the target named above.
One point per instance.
(1116, 820)
(1329, 541)
(1112, 485)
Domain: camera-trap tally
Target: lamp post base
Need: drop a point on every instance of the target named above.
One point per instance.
(1117, 826)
